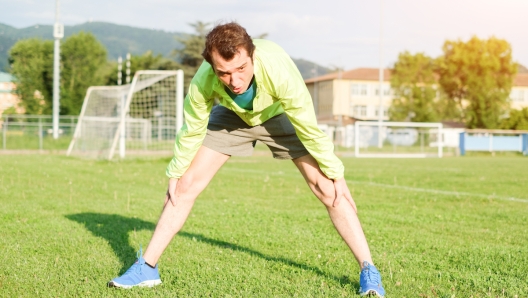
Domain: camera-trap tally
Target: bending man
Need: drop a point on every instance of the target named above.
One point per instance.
(262, 98)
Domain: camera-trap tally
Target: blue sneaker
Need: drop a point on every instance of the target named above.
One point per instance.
(370, 281)
(140, 274)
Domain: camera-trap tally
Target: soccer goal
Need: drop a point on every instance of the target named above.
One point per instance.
(396, 139)
(140, 118)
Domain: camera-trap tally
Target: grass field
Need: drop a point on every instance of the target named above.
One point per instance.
(452, 227)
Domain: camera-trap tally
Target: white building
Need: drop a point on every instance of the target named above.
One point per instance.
(519, 92)
(341, 97)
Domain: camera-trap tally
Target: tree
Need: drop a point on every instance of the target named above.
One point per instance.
(31, 63)
(83, 58)
(190, 55)
(477, 76)
(518, 119)
(413, 81)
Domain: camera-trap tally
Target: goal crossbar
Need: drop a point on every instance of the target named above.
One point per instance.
(121, 98)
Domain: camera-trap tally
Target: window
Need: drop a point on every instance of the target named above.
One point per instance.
(386, 90)
(355, 89)
(517, 95)
(360, 89)
(359, 111)
(363, 90)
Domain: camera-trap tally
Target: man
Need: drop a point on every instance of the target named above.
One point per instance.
(262, 97)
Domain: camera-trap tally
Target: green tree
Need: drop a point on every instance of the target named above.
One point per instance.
(83, 58)
(477, 76)
(31, 63)
(518, 119)
(190, 55)
(413, 81)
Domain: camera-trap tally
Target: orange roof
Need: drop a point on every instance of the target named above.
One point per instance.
(521, 79)
(372, 74)
(361, 74)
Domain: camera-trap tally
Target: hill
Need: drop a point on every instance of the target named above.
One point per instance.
(118, 40)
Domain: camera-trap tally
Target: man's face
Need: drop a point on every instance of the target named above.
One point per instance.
(236, 73)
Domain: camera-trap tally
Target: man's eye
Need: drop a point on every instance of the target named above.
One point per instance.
(242, 68)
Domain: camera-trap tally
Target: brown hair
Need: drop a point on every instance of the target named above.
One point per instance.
(226, 39)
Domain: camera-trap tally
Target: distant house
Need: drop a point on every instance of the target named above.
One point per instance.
(343, 97)
(519, 92)
(7, 97)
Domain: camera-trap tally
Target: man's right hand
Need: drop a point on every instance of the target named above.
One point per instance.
(171, 192)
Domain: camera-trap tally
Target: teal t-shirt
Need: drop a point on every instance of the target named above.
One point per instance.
(244, 100)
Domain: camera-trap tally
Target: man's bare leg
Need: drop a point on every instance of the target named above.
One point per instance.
(343, 215)
(202, 169)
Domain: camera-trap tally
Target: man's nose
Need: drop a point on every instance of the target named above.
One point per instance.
(235, 80)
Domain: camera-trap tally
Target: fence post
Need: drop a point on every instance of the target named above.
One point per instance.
(40, 133)
(462, 143)
(525, 144)
(4, 134)
(159, 128)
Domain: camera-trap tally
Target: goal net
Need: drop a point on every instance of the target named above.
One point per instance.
(140, 118)
(395, 139)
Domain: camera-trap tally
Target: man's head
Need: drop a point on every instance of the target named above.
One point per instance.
(229, 50)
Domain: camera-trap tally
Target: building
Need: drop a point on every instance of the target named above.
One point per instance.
(519, 92)
(7, 97)
(343, 97)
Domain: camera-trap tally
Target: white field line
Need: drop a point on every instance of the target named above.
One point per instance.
(383, 185)
(440, 192)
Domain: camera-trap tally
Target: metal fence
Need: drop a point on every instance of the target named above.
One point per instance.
(34, 132)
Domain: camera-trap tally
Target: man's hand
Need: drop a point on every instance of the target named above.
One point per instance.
(171, 192)
(341, 190)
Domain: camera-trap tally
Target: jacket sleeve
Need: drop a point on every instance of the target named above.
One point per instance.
(298, 106)
(196, 110)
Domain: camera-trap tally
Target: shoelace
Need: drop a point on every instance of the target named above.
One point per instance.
(137, 267)
(372, 277)
(139, 256)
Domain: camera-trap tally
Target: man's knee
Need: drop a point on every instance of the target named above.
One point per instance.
(325, 194)
(186, 187)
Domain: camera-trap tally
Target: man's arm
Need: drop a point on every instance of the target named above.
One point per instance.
(191, 135)
(297, 104)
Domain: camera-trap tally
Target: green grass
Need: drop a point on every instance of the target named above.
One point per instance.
(29, 140)
(452, 227)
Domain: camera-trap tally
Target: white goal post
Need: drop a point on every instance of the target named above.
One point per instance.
(397, 139)
(138, 118)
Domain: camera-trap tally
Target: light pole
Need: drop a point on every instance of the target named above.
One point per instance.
(58, 34)
(316, 91)
(380, 112)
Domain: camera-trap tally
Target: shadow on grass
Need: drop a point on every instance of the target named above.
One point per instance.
(116, 228)
(342, 280)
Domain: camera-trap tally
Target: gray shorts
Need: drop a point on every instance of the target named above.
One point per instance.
(228, 134)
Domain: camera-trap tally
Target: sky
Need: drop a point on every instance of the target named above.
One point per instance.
(332, 33)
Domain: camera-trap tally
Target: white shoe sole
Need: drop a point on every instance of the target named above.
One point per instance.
(371, 293)
(147, 283)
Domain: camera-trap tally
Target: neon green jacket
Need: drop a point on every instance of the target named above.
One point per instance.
(280, 89)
